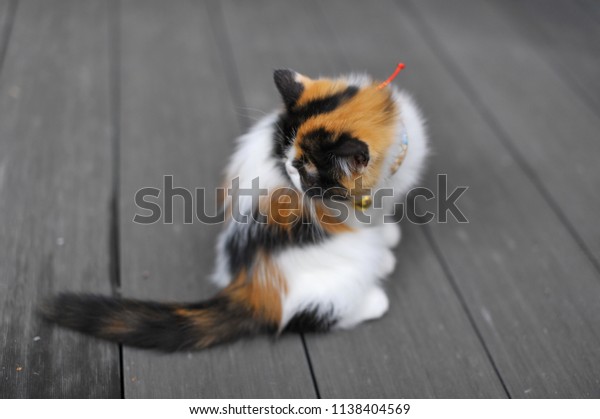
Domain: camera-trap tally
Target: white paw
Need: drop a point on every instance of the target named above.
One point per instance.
(375, 304)
(372, 306)
(391, 234)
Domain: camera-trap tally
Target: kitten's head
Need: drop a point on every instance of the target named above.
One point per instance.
(334, 134)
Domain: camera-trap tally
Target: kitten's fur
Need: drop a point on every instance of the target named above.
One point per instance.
(303, 268)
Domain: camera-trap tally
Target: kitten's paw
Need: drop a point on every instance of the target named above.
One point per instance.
(391, 234)
(375, 305)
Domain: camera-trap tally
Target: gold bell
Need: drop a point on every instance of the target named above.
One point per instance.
(364, 202)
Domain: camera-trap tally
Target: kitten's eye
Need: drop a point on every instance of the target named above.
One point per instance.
(304, 165)
(297, 163)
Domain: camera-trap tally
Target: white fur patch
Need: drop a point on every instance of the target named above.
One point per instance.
(335, 275)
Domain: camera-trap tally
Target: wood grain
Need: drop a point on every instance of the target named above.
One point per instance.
(566, 36)
(549, 129)
(55, 186)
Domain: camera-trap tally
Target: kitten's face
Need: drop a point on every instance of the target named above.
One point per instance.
(333, 136)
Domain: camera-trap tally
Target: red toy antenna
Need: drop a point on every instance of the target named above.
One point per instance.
(398, 69)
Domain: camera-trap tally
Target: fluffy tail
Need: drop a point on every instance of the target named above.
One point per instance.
(167, 327)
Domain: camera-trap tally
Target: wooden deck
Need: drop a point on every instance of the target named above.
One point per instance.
(99, 99)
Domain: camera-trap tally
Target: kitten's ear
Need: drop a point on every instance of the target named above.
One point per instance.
(353, 150)
(289, 84)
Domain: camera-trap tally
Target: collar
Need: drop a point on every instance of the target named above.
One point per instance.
(366, 200)
(400, 158)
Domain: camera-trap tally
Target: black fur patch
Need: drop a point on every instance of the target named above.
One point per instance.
(310, 321)
(325, 152)
(288, 87)
(248, 238)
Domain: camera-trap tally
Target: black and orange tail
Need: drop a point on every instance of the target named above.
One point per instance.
(151, 325)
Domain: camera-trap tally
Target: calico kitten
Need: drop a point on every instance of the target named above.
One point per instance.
(304, 260)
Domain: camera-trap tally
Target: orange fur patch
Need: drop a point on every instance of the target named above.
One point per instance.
(283, 207)
(261, 290)
(330, 222)
(187, 312)
(116, 326)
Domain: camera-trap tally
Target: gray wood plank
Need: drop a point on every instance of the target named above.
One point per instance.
(178, 118)
(55, 186)
(550, 129)
(7, 14)
(566, 35)
(4, 17)
(528, 286)
(425, 346)
(592, 7)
